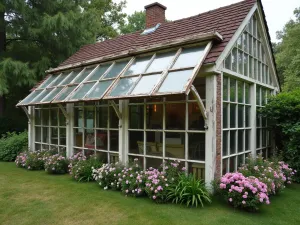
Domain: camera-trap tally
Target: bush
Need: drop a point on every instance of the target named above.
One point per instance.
(11, 144)
(56, 164)
(82, 170)
(243, 192)
(287, 171)
(189, 191)
(266, 171)
(32, 160)
(283, 113)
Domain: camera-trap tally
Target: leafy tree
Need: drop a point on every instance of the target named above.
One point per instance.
(38, 34)
(135, 22)
(287, 53)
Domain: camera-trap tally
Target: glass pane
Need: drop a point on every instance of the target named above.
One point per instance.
(232, 115)
(247, 140)
(38, 132)
(196, 146)
(136, 142)
(123, 86)
(245, 64)
(175, 116)
(161, 62)
(78, 117)
(102, 117)
(239, 42)
(234, 60)
(247, 93)
(45, 117)
(139, 66)
(116, 69)
(53, 93)
(225, 143)
(45, 135)
(232, 164)
(240, 140)
(154, 116)
(247, 119)
(228, 62)
(99, 72)
(154, 163)
(240, 62)
(89, 138)
(82, 91)
(31, 96)
(146, 84)
(61, 118)
(154, 143)
(83, 75)
(89, 116)
(113, 118)
(41, 96)
(189, 57)
(240, 92)
(136, 116)
(48, 81)
(225, 115)
(64, 93)
(99, 89)
(245, 41)
(225, 89)
(176, 81)
(114, 140)
(225, 166)
(101, 140)
(54, 135)
(78, 137)
(175, 145)
(38, 117)
(59, 79)
(70, 77)
(232, 90)
(196, 121)
(232, 142)
(54, 116)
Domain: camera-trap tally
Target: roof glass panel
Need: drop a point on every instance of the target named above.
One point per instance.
(116, 69)
(58, 80)
(52, 95)
(139, 66)
(83, 74)
(176, 81)
(99, 72)
(70, 77)
(40, 97)
(161, 62)
(189, 57)
(64, 93)
(99, 89)
(146, 84)
(82, 91)
(47, 82)
(123, 86)
(30, 97)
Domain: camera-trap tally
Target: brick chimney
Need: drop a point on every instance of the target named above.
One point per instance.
(155, 13)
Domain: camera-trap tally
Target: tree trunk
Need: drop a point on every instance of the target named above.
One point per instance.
(2, 49)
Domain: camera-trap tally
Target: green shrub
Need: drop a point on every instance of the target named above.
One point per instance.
(189, 191)
(82, 170)
(56, 164)
(11, 144)
(32, 160)
(283, 113)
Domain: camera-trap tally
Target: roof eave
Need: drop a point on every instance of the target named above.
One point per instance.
(190, 39)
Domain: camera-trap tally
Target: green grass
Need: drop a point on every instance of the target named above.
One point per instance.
(33, 197)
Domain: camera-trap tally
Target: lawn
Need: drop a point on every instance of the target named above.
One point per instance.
(33, 197)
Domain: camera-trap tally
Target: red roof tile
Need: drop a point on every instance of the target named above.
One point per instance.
(225, 20)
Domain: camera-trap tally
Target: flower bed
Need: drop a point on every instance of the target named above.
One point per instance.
(32, 160)
(56, 164)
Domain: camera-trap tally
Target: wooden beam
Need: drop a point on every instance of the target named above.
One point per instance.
(114, 105)
(63, 111)
(200, 103)
(27, 113)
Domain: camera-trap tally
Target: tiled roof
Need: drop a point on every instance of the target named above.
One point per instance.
(225, 20)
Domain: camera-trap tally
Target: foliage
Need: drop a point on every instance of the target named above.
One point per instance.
(32, 160)
(283, 113)
(56, 164)
(189, 191)
(11, 144)
(135, 22)
(266, 171)
(288, 53)
(73, 160)
(243, 192)
(82, 171)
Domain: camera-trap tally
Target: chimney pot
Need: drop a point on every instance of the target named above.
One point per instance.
(155, 13)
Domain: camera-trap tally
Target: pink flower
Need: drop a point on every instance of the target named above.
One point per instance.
(243, 202)
(230, 199)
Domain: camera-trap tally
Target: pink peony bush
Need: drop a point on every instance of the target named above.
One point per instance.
(243, 192)
(56, 164)
(32, 160)
(287, 171)
(75, 159)
(21, 160)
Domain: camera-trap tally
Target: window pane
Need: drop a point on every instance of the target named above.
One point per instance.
(234, 60)
(146, 84)
(196, 121)
(114, 140)
(232, 116)
(116, 69)
(101, 140)
(64, 93)
(225, 143)
(154, 116)
(59, 79)
(54, 135)
(225, 115)
(240, 92)
(189, 57)
(175, 116)
(232, 142)
(161, 62)
(154, 142)
(89, 116)
(41, 96)
(136, 142)
(53, 93)
(241, 116)
(54, 117)
(45, 135)
(240, 62)
(38, 117)
(113, 118)
(31, 96)
(82, 91)
(232, 90)
(48, 81)
(154, 163)
(139, 66)
(196, 146)
(123, 86)
(45, 117)
(84, 74)
(70, 77)
(99, 89)
(102, 117)
(247, 119)
(38, 132)
(228, 62)
(245, 41)
(176, 81)
(175, 145)
(99, 72)
(136, 116)
(245, 64)
(247, 140)
(225, 89)
(240, 140)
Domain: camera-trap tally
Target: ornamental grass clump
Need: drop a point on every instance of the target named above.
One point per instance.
(56, 164)
(82, 170)
(189, 191)
(267, 172)
(243, 192)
